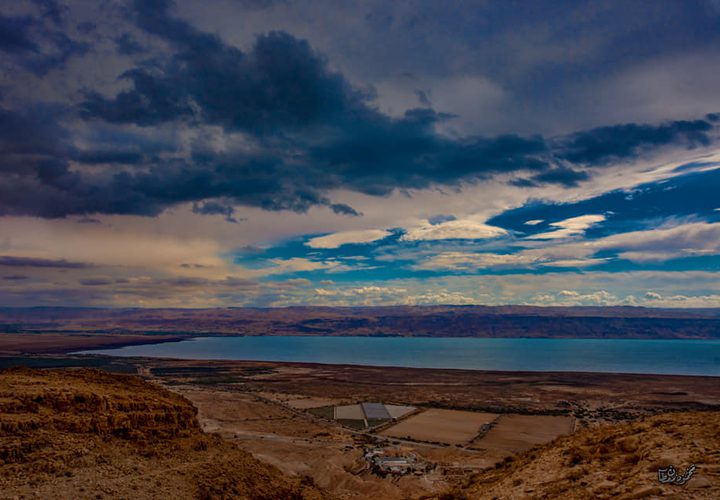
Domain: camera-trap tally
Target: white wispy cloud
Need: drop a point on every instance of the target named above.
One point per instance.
(338, 239)
(469, 261)
(685, 240)
(298, 264)
(653, 245)
(467, 229)
(569, 227)
(573, 262)
(669, 289)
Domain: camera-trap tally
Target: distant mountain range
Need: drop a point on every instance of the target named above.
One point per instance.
(432, 321)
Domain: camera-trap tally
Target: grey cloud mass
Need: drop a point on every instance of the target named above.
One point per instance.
(193, 153)
(282, 129)
(10, 261)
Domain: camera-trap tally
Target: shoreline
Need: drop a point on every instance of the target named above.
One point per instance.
(242, 363)
(13, 344)
(511, 355)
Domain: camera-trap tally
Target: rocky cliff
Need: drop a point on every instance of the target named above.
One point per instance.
(611, 461)
(90, 434)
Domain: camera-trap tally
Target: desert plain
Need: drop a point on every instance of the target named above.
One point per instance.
(464, 422)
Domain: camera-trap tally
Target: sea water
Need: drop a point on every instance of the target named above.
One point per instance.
(678, 357)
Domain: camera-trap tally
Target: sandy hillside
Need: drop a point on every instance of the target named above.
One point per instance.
(611, 461)
(90, 434)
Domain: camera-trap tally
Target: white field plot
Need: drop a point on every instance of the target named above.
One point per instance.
(440, 426)
(397, 411)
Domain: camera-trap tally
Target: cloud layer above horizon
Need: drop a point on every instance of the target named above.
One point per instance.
(275, 153)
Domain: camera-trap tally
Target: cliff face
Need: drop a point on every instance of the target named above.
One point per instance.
(87, 433)
(611, 461)
(90, 402)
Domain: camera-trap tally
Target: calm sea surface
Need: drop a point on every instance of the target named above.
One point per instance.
(680, 357)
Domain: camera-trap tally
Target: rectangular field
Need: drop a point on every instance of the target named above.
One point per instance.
(516, 433)
(441, 426)
(349, 412)
(307, 403)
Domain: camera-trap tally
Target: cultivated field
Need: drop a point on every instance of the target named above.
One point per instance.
(441, 426)
(516, 433)
(350, 412)
(303, 403)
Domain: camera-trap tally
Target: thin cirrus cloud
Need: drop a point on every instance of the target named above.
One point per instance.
(569, 227)
(336, 240)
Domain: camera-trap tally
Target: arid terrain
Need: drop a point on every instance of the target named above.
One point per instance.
(590, 397)
(263, 407)
(89, 434)
(224, 429)
(483, 434)
(611, 461)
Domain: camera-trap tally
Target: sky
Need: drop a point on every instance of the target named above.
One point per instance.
(158, 153)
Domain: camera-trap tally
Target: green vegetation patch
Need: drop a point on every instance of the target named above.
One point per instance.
(358, 425)
(326, 412)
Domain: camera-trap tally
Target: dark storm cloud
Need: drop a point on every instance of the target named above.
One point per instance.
(88, 220)
(281, 83)
(15, 34)
(38, 43)
(343, 209)
(96, 281)
(34, 131)
(215, 208)
(605, 144)
(439, 219)
(108, 156)
(260, 4)
(9, 261)
(563, 176)
(52, 10)
(311, 132)
(128, 46)
(423, 97)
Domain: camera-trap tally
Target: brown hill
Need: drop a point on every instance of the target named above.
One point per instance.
(90, 434)
(611, 461)
(435, 321)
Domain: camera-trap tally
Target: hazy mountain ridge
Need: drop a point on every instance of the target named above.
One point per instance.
(437, 321)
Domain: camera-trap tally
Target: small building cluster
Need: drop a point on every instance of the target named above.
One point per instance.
(400, 465)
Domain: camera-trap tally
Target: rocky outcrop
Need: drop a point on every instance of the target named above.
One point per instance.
(91, 401)
(88, 434)
(611, 461)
